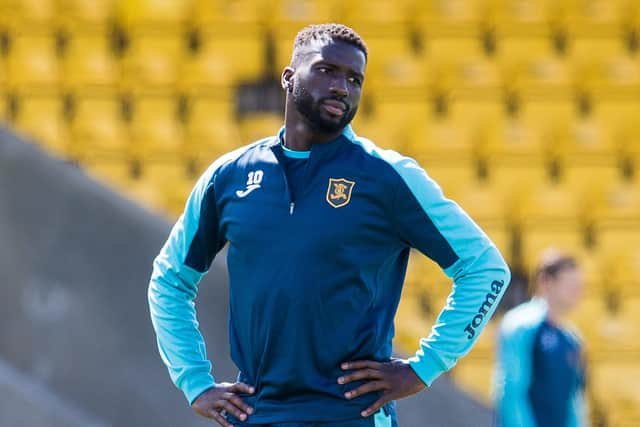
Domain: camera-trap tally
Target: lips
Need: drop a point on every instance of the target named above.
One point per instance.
(335, 107)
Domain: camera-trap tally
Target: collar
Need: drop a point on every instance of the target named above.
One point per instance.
(347, 135)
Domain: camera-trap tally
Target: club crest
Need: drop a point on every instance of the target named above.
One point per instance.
(339, 192)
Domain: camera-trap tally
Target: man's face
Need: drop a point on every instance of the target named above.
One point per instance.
(327, 83)
(565, 290)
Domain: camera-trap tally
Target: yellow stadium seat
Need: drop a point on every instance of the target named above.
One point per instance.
(32, 62)
(382, 134)
(617, 222)
(592, 49)
(31, 12)
(452, 176)
(393, 67)
(294, 14)
(613, 379)
(211, 129)
(445, 138)
(232, 14)
(552, 216)
(256, 126)
(241, 56)
(488, 208)
(165, 186)
(98, 129)
(447, 15)
(617, 76)
(423, 274)
(41, 117)
(524, 16)
(113, 172)
(451, 48)
(153, 60)
(93, 15)
(372, 14)
(89, 63)
(162, 14)
(395, 120)
(156, 132)
(594, 16)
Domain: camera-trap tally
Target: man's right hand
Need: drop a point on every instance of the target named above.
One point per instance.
(217, 401)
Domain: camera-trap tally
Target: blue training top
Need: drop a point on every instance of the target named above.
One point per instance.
(540, 373)
(315, 278)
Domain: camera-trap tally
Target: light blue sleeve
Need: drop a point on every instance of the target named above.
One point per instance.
(513, 376)
(440, 229)
(578, 411)
(173, 289)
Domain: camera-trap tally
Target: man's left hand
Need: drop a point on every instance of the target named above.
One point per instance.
(395, 379)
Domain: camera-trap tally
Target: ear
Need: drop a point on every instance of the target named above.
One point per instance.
(287, 79)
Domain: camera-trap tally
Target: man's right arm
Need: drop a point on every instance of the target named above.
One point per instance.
(177, 270)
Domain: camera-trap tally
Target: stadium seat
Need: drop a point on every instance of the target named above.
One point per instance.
(259, 125)
(167, 15)
(594, 16)
(524, 16)
(449, 49)
(369, 15)
(98, 130)
(41, 13)
(453, 177)
(487, 207)
(153, 60)
(229, 15)
(41, 117)
(617, 223)
(595, 49)
(295, 14)
(444, 16)
(242, 55)
(89, 63)
(166, 184)
(552, 216)
(115, 173)
(32, 62)
(90, 16)
(156, 132)
(210, 129)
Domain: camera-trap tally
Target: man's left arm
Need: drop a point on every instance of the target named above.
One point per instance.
(440, 229)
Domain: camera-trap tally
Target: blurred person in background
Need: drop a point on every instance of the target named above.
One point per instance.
(540, 371)
(320, 223)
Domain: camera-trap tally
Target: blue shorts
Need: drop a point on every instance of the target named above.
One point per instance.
(385, 417)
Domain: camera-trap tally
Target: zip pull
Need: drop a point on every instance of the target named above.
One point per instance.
(292, 205)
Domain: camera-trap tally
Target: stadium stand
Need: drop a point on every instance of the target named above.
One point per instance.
(526, 112)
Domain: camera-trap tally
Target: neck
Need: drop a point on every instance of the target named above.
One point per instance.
(555, 313)
(299, 135)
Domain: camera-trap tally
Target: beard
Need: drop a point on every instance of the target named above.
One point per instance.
(310, 110)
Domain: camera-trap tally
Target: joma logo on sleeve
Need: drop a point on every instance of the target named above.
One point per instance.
(489, 299)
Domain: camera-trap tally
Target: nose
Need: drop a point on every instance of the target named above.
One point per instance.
(339, 87)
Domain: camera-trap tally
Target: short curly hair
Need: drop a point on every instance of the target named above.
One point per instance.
(332, 31)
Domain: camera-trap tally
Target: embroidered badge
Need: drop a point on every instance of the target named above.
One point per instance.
(339, 192)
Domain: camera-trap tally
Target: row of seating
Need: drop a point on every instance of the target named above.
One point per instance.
(578, 13)
(216, 58)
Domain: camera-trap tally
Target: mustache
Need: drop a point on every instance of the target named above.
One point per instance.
(347, 107)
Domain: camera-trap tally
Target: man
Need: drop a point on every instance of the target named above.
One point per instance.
(540, 371)
(319, 223)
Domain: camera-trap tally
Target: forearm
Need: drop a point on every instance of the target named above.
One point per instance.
(182, 348)
(478, 285)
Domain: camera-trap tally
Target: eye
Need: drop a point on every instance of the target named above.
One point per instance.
(355, 80)
(323, 69)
